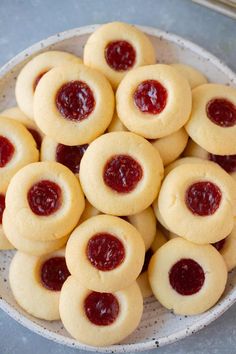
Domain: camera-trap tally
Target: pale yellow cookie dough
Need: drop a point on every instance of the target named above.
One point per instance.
(105, 198)
(94, 50)
(207, 257)
(59, 223)
(175, 113)
(171, 146)
(116, 125)
(66, 131)
(210, 136)
(40, 64)
(28, 291)
(160, 240)
(87, 274)
(194, 76)
(144, 285)
(24, 145)
(179, 219)
(184, 161)
(89, 212)
(76, 322)
(4, 242)
(228, 250)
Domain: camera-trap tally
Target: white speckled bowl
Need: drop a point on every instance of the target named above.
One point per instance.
(158, 326)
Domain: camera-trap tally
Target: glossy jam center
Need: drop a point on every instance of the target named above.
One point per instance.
(105, 251)
(2, 206)
(37, 137)
(120, 55)
(122, 173)
(227, 162)
(101, 309)
(148, 256)
(44, 198)
(75, 101)
(203, 198)
(221, 112)
(150, 97)
(38, 78)
(219, 245)
(70, 156)
(6, 151)
(186, 277)
(54, 273)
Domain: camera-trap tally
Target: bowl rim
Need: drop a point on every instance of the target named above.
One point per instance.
(222, 306)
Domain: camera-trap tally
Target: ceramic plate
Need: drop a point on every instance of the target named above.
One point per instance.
(158, 326)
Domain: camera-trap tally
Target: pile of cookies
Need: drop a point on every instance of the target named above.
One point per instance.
(94, 196)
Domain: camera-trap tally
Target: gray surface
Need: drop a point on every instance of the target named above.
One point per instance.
(24, 22)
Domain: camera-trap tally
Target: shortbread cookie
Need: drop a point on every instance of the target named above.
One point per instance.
(142, 280)
(78, 102)
(32, 247)
(212, 123)
(196, 201)
(99, 319)
(194, 76)
(89, 212)
(32, 73)
(17, 114)
(154, 101)
(49, 202)
(126, 182)
(187, 278)
(17, 149)
(171, 146)
(36, 283)
(184, 161)
(116, 48)
(116, 125)
(4, 242)
(227, 162)
(105, 253)
(69, 156)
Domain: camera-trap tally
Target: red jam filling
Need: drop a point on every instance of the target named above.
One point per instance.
(2, 206)
(203, 198)
(44, 198)
(37, 137)
(186, 277)
(221, 112)
(70, 156)
(101, 309)
(148, 256)
(38, 78)
(54, 273)
(150, 97)
(75, 101)
(219, 245)
(105, 251)
(120, 55)
(6, 151)
(227, 162)
(122, 173)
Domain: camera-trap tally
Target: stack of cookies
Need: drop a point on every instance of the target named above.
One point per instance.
(94, 196)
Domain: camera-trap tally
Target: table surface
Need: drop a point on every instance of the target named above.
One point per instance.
(23, 22)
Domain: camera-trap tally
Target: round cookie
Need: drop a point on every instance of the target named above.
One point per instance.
(17, 114)
(105, 253)
(33, 71)
(194, 76)
(212, 123)
(4, 242)
(32, 247)
(36, 283)
(78, 102)
(171, 146)
(17, 149)
(115, 48)
(49, 202)
(69, 156)
(184, 161)
(196, 201)
(82, 313)
(187, 278)
(116, 125)
(110, 157)
(150, 96)
(227, 162)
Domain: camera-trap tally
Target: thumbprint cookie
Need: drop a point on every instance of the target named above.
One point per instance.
(105, 253)
(154, 101)
(194, 76)
(116, 125)
(116, 48)
(4, 241)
